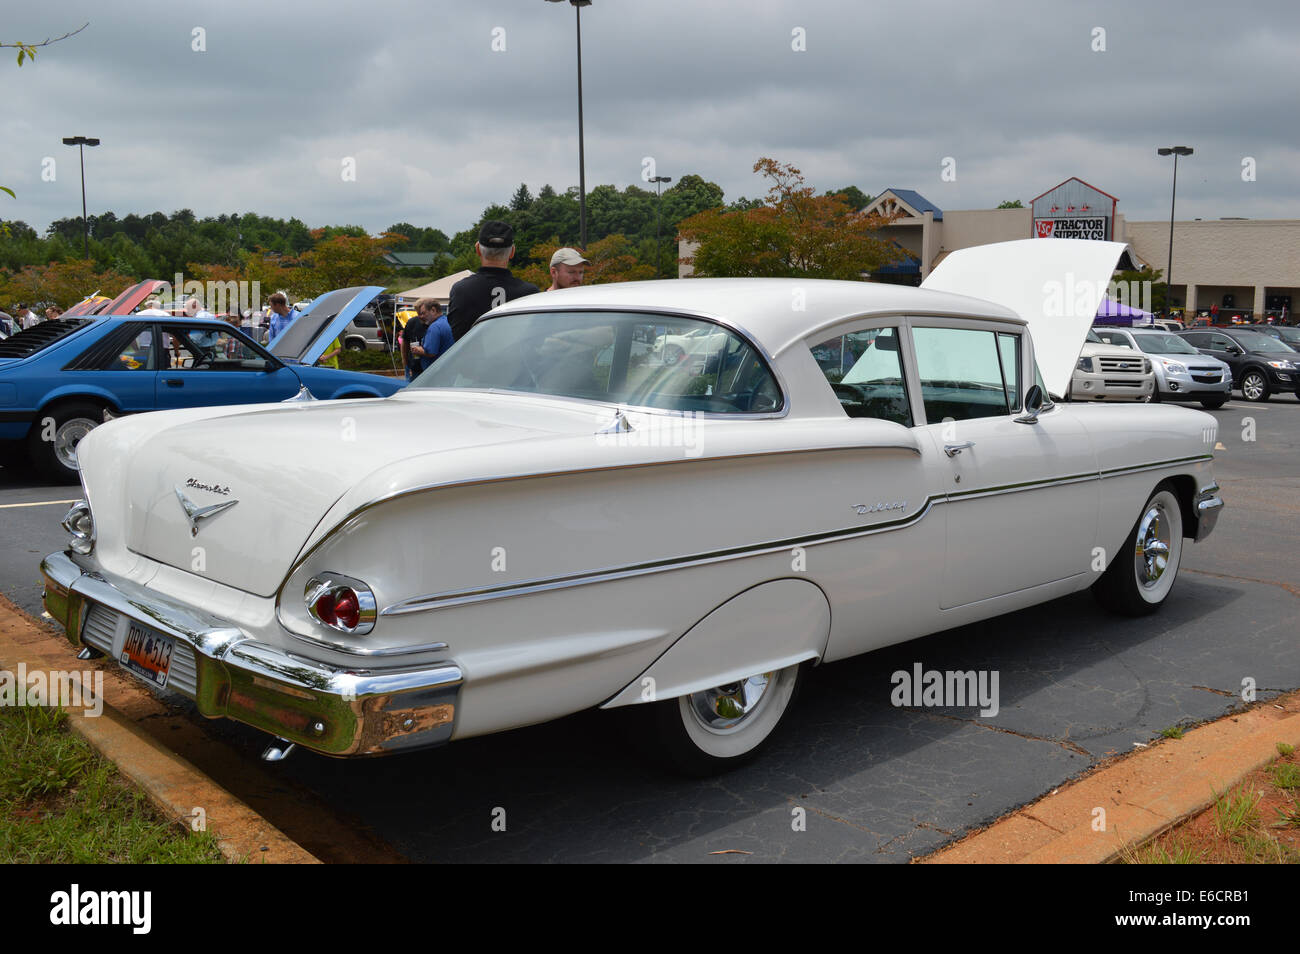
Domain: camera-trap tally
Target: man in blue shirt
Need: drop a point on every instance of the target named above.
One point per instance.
(281, 316)
(436, 340)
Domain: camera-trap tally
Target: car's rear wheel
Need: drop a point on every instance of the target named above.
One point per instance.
(714, 730)
(1141, 575)
(1254, 387)
(55, 434)
(1214, 403)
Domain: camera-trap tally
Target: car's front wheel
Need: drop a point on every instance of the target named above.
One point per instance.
(55, 434)
(716, 729)
(1143, 572)
(1254, 387)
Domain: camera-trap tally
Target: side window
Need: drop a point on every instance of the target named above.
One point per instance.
(961, 373)
(208, 349)
(1217, 343)
(1009, 353)
(134, 353)
(865, 370)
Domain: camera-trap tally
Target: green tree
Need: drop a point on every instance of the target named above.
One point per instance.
(854, 196)
(1011, 204)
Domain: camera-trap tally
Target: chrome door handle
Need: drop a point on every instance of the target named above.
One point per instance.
(952, 450)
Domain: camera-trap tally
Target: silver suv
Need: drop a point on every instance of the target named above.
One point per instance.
(1182, 372)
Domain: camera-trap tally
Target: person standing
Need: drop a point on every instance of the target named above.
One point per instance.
(492, 284)
(24, 317)
(436, 340)
(426, 312)
(281, 316)
(567, 268)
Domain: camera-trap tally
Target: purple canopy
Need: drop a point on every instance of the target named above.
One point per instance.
(1114, 313)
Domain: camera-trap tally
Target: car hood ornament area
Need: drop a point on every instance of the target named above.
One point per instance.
(195, 513)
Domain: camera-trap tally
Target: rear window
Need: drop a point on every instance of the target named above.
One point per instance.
(39, 337)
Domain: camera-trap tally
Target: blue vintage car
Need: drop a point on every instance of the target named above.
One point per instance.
(63, 377)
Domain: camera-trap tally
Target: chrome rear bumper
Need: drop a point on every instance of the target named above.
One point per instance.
(228, 675)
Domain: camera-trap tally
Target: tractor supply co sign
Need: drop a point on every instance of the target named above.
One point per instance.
(1092, 227)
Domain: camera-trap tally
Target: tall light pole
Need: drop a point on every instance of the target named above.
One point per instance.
(81, 142)
(1175, 151)
(658, 181)
(582, 167)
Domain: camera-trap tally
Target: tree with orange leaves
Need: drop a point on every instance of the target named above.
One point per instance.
(793, 234)
(612, 260)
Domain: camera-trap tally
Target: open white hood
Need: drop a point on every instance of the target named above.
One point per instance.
(1056, 285)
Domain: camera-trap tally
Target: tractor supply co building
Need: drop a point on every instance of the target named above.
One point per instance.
(1246, 267)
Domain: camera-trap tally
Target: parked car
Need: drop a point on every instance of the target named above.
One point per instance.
(549, 520)
(1106, 373)
(60, 378)
(1182, 372)
(1285, 333)
(1261, 365)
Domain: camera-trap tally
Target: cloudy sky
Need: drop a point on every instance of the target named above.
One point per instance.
(445, 107)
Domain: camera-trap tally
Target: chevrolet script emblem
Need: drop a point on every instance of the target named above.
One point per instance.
(194, 514)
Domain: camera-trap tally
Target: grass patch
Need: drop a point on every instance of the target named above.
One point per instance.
(60, 803)
(1154, 853)
(1236, 812)
(1285, 749)
(1173, 732)
(1285, 774)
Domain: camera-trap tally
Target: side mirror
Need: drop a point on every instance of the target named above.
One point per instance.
(1034, 403)
(1233, 349)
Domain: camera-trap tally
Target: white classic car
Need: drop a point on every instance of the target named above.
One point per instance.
(557, 515)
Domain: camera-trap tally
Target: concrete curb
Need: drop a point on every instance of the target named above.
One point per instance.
(172, 784)
(1137, 797)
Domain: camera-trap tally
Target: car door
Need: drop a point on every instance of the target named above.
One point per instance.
(884, 487)
(206, 364)
(1021, 498)
(122, 362)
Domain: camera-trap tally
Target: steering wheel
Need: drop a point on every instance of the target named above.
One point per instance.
(856, 393)
(202, 358)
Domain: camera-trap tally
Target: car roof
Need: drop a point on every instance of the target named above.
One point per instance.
(778, 312)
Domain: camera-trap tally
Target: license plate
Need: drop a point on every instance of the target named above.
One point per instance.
(147, 653)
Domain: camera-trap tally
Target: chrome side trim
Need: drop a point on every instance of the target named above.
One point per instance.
(358, 651)
(448, 598)
(1121, 471)
(503, 478)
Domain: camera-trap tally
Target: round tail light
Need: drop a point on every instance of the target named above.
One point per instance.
(341, 603)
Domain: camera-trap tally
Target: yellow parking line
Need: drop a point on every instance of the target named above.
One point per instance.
(38, 503)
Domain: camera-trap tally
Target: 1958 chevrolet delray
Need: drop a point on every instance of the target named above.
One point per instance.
(561, 514)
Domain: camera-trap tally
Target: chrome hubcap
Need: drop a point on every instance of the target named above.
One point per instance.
(724, 707)
(1252, 387)
(68, 436)
(1153, 542)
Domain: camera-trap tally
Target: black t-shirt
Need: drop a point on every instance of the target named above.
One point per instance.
(413, 333)
(476, 294)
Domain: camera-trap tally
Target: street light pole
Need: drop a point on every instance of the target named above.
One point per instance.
(1175, 151)
(582, 164)
(658, 181)
(81, 142)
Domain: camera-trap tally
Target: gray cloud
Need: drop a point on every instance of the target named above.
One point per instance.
(441, 125)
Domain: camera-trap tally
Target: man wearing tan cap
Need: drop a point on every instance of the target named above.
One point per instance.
(567, 267)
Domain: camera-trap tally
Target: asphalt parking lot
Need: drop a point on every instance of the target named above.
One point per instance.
(851, 778)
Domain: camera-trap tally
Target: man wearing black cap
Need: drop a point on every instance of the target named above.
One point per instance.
(491, 285)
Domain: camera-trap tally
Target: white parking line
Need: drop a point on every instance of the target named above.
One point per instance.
(38, 503)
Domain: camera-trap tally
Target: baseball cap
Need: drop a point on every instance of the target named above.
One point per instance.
(568, 256)
(496, 234)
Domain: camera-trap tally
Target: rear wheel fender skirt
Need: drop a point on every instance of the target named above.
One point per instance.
(770, 626)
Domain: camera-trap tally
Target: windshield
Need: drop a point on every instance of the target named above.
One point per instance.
(1092, 336)
(1163, 344)
(645, 360)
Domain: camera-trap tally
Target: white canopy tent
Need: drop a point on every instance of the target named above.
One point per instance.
(439, 290)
